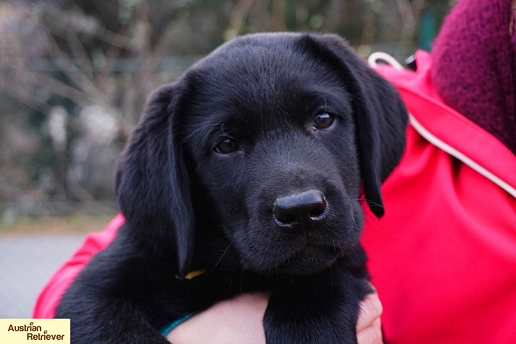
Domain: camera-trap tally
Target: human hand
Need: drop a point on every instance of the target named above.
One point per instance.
(239, 320)
(369, 325)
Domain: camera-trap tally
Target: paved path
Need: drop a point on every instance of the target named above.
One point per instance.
(26, 263)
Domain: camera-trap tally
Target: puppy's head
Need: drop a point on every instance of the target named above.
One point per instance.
(268, 141)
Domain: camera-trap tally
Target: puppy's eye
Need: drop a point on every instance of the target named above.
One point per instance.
(226, 146)
(323, 120)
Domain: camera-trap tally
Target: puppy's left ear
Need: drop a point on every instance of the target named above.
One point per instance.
(152, 181)
(380, 115)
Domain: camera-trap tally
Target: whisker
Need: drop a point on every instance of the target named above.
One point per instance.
(368, 216)
(223, 254)
(371, 202)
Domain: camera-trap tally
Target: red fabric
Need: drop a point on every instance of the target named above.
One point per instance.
(443, 257)
(51, 293)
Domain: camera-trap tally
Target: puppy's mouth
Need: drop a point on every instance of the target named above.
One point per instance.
(310, 260)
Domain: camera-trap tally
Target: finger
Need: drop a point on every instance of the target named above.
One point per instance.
(371, 334)
(370, 310)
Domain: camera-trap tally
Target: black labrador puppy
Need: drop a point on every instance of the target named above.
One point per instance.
(248, 173)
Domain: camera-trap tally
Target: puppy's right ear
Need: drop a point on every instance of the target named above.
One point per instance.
(152, 182)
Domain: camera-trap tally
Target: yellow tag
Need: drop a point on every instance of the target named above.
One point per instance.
(16, 331)
(193, 274)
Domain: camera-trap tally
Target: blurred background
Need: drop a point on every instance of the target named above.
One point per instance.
(74, 75)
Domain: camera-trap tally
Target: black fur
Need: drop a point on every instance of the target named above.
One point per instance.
(192, 203)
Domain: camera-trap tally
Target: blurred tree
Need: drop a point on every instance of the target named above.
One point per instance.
(74, 74)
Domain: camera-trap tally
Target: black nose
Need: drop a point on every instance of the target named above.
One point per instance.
(304, 208)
